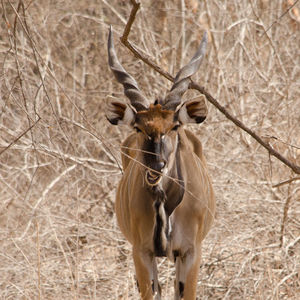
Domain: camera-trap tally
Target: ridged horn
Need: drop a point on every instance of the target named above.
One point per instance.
(182, 79)
(131, 90)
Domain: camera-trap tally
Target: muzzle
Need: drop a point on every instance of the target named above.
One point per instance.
(152, 178)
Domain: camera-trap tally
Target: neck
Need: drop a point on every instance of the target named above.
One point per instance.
(171, 183)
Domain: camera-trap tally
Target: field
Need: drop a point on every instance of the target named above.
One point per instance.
(60, 157)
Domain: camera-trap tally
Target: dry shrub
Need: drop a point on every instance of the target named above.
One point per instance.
(59, 161)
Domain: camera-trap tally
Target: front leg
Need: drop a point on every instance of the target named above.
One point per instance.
(187, 268)
(146, 273)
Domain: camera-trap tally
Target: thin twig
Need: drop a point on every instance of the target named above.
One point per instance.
(44, 194)
(20, 136)
(286, 182)
(201, 89)
(285, 214)
(281, 16)
(38, 259)
(287, 144)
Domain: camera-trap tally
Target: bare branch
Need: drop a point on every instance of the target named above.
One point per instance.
(137, 54)
(135, 8)
(241, 125)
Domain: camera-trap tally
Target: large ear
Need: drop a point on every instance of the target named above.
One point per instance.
(193, 111)
(118, 113)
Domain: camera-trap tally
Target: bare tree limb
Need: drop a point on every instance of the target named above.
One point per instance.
(135, 8)
(137, 54)
(241, 125)
(193, 85)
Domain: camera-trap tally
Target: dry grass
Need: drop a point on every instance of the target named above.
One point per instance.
(59, 238)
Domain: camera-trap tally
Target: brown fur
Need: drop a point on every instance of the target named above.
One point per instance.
(156, 121)
(191, 219)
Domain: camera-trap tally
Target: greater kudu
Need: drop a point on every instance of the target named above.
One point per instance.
(165, 203)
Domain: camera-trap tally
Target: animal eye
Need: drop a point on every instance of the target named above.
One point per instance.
(175, 127)
(137, 129)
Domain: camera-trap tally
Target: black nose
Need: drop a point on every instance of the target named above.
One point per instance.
(157, 165)
(161, 165)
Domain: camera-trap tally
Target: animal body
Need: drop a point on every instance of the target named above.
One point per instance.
(165, 202)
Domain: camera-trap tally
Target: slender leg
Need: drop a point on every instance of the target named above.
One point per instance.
(178, 265)
(156, 285)
(146, 273)
(187, 268)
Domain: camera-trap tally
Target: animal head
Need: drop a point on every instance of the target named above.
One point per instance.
(156, 123)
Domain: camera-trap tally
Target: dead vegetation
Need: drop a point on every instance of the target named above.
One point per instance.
(59, 156)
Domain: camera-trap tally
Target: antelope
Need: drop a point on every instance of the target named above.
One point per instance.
(165, 203)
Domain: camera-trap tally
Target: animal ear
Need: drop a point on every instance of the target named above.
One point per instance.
(193, 111)
(119, 113)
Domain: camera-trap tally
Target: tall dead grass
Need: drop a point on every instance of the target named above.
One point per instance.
(59, 161)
